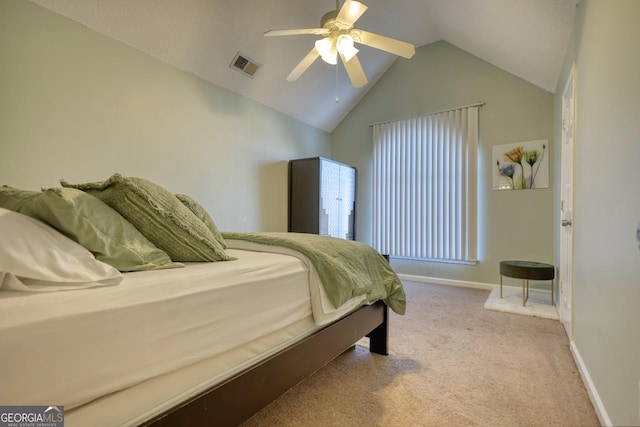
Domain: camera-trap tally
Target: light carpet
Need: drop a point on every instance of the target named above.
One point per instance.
(511, 302)
(451, 363)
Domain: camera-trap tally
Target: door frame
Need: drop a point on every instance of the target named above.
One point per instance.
(567, 212)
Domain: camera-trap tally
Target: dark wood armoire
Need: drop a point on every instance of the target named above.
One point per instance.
(322, 197)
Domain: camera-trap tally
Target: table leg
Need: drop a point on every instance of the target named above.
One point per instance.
(501, 286)
(552, 292)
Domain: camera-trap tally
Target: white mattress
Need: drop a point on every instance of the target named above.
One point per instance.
(68, 348)
(323, 310)
(141, 402)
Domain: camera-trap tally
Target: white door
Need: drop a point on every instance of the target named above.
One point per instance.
(565, 272)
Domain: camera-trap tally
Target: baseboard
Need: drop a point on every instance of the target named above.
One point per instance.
(591, 388)
(449, 282)
(467, 284)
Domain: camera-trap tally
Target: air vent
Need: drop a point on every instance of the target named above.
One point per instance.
(243, 64)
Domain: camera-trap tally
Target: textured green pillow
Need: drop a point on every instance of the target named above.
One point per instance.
(199, 211)
(159, 216)
(90, 223)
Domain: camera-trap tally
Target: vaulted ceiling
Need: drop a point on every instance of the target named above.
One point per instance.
(525, 37)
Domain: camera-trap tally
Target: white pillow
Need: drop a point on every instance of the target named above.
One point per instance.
(35, 257)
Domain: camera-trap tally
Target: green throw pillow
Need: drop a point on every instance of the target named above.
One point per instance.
(159, 216)
(90, 223)
(203, 215)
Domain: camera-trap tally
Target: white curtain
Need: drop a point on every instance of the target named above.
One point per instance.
(424, 179)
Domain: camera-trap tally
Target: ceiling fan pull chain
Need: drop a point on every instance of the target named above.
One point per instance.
(337, 98)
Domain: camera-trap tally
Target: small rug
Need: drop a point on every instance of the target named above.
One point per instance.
(511, 302)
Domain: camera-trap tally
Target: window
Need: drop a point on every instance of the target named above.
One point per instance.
(424, 186)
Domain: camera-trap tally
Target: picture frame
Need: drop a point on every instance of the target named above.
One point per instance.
(521, 165)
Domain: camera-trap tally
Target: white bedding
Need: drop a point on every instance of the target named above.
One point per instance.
(68, 348)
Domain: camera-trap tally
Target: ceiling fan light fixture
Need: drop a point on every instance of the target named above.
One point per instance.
(345, 41)
(327, 50)
(323, 46)
(331, 57)
(345, 46)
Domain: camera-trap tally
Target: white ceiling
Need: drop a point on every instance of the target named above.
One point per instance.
(525, 37)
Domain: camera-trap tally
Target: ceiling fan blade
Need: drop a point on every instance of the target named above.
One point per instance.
(349, 13)
(354, 71)
(397, 47)
(303, 65)
(320, 31)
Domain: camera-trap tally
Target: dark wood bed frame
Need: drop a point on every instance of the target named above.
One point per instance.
(240, 397)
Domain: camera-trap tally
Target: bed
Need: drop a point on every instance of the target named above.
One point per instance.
(191, 343)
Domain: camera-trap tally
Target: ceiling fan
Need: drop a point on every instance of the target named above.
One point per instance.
(337, 27)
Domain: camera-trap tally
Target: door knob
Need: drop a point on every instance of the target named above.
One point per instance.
(566, 222)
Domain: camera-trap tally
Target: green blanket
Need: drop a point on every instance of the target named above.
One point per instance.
(346, 268)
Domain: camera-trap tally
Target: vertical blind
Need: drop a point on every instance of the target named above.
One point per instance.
(424, 179)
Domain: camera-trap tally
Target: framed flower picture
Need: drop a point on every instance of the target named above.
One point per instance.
(521, 166)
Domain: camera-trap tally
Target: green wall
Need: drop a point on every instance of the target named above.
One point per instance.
(78, 105)
(606, 215)
(511, 224)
